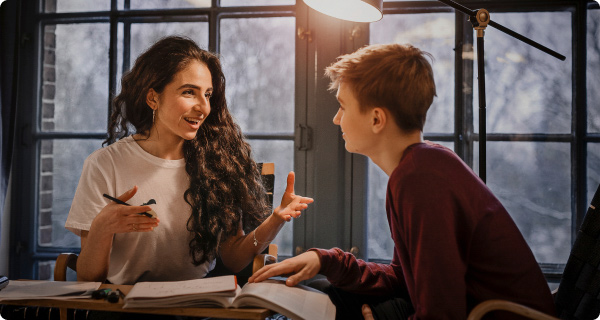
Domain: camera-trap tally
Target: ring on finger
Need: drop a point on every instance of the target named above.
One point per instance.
(134, 227)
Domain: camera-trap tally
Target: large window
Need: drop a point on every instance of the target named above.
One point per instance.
(543, 118)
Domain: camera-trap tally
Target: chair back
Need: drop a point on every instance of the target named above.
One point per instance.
(267, 173)
(578, 295)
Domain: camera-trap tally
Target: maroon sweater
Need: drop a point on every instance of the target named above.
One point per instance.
(455, 244)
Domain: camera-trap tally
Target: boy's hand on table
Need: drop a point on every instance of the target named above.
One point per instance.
(301, 267)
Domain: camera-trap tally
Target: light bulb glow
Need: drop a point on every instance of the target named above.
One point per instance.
(352, 10)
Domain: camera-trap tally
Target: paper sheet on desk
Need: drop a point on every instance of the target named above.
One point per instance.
(39, 289)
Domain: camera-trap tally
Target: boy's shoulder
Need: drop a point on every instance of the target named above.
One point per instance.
(429, 149)
(430, 159)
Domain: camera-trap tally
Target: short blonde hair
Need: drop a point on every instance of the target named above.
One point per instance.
(392, 76)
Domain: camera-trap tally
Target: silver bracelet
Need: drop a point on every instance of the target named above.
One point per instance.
(256, 241)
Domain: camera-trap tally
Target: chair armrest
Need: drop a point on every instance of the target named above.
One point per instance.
(64, 261)
(491, 305)
(259, 260)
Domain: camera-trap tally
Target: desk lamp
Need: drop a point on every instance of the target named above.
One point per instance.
(372, 10)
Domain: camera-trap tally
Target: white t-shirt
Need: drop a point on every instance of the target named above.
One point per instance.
(159, 255)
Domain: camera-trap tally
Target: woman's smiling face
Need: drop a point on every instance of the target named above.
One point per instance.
(184, 103)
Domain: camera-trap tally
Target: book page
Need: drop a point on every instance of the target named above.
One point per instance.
(40, 289)
(298, 302)
(216, 299)
(165, 289)
(217, 291)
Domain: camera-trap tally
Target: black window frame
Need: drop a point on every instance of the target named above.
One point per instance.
(345, 206)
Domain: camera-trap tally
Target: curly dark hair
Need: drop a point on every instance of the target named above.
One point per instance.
(225, 184)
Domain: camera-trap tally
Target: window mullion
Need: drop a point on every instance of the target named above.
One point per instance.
(579, 127)
(112, 56)
(463, 94)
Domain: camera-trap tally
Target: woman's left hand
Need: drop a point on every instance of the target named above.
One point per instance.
(291, 204)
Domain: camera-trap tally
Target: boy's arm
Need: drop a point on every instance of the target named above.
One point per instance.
(348, 273)
(342, 270)
(299, 268)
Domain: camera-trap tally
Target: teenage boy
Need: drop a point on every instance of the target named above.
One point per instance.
(454, 243)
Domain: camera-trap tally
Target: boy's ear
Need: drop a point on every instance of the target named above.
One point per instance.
(152, 98)
(379, 119)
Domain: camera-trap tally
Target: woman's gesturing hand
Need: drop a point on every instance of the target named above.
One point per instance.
(291, 204)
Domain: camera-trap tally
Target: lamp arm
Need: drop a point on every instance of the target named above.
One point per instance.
(472, 13)
(527, 40)
(459, 7)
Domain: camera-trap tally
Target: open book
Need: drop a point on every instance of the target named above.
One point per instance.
(298, 302)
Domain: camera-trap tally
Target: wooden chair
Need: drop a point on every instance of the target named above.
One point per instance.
(578, 295)
(66, 261)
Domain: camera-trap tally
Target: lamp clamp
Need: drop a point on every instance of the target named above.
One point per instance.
(480, 20)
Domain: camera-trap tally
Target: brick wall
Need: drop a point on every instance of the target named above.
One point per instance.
(46, 152)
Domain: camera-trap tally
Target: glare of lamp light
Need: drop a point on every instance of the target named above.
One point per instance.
(352, 10)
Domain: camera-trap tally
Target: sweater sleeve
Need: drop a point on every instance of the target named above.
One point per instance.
(346, 272)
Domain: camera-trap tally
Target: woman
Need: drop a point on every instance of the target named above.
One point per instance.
(190, 158)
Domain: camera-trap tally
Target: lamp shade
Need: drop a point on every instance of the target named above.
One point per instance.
(352, 10)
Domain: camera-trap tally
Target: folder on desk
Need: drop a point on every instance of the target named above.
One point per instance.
(40, 289)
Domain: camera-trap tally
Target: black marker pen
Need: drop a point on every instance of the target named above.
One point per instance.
(126, 204)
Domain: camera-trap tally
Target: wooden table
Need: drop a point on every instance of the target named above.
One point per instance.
(103, 305)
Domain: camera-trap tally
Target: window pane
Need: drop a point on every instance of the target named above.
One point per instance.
(233, 3)
(251, 49)
(379, 238)
(45, 270)
(168, 4)
(61, 162)
(527, 90)
(593, 65)
(593, 169)
(76, 5)
(434, 33)
(380, 244)
(143, 35)
(533, 182)
(75, 77)
(280, 152)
